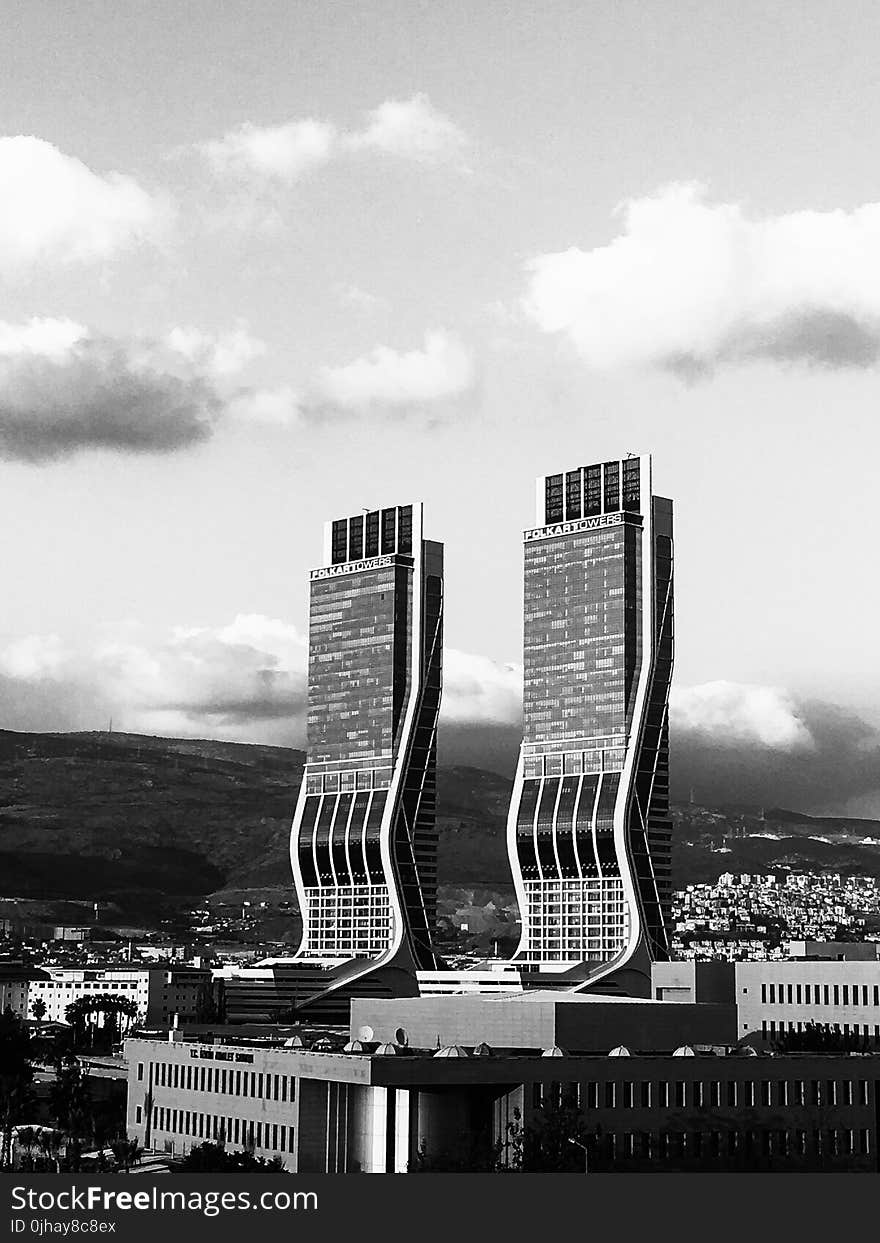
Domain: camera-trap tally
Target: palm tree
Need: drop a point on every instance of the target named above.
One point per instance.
(71, 1104)
(83, 1015)
(16, 1080)
(27, 1139)
(126, 1153)
(50, 1147)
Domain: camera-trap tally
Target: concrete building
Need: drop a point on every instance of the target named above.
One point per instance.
(778, 998)
(589, 829)
(584, 1023)
(161, 994)
(380, 1108)
(15, 984)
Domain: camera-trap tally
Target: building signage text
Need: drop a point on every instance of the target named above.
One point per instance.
(351, 567)
(569, 528)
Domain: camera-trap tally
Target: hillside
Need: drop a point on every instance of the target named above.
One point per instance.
(135, 820)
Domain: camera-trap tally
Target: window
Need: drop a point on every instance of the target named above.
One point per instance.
(140, 1071)
(138, 1114)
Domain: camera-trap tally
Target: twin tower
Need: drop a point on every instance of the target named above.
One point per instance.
(588, 829)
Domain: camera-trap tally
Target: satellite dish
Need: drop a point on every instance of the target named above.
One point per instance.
(365, 1032)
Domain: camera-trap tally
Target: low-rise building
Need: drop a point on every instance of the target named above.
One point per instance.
(381, 1108)
(15, 984)
(774, 999)
(161, 994)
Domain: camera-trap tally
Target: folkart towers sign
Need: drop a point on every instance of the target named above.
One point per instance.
(569, 528)
(351, 567)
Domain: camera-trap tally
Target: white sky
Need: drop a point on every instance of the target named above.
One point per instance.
(510, 131)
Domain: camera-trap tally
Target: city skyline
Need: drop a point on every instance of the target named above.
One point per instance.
(276, 272)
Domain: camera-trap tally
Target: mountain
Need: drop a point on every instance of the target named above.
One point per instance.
(137, 821)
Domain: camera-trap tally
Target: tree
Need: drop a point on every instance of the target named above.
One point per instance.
(16, 1080)
(38, 1009)
(821, 1038)
(126, 1153)
(115, 1012)
(212, 1158)
(27, 1141)
(472, 1153)
(50, 1147)
(70, 1100)
(557, 1137)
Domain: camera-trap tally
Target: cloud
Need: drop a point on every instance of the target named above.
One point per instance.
(64, 390)
(222, 355)
(55, 210)
(689, 285)
(477, 689)
(441, 371)
(730, 712)
(360, 299)
(412, 129)
(245, 680)
(34, 658)
(834, 774)
(282, 152)
(281, 406)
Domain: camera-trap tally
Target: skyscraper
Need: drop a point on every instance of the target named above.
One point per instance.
(363, 842)
(589, 829)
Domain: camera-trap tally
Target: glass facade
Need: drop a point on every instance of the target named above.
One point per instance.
(597, 642)
(364, 838)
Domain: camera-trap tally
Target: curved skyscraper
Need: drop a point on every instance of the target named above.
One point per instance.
(589, 829)
(363, 842)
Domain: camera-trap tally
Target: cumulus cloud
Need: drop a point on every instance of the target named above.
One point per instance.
(477, 689)
(283, 152)
(441, 371)
(56, 210)
(64, 390)
(412, 129)
(244, 680)
(280, 406)
(408, 129)
(689, 285)
(224, 354)
(732, 712)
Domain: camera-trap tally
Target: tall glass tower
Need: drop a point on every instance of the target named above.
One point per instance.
(364, 842)
(589, 829)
